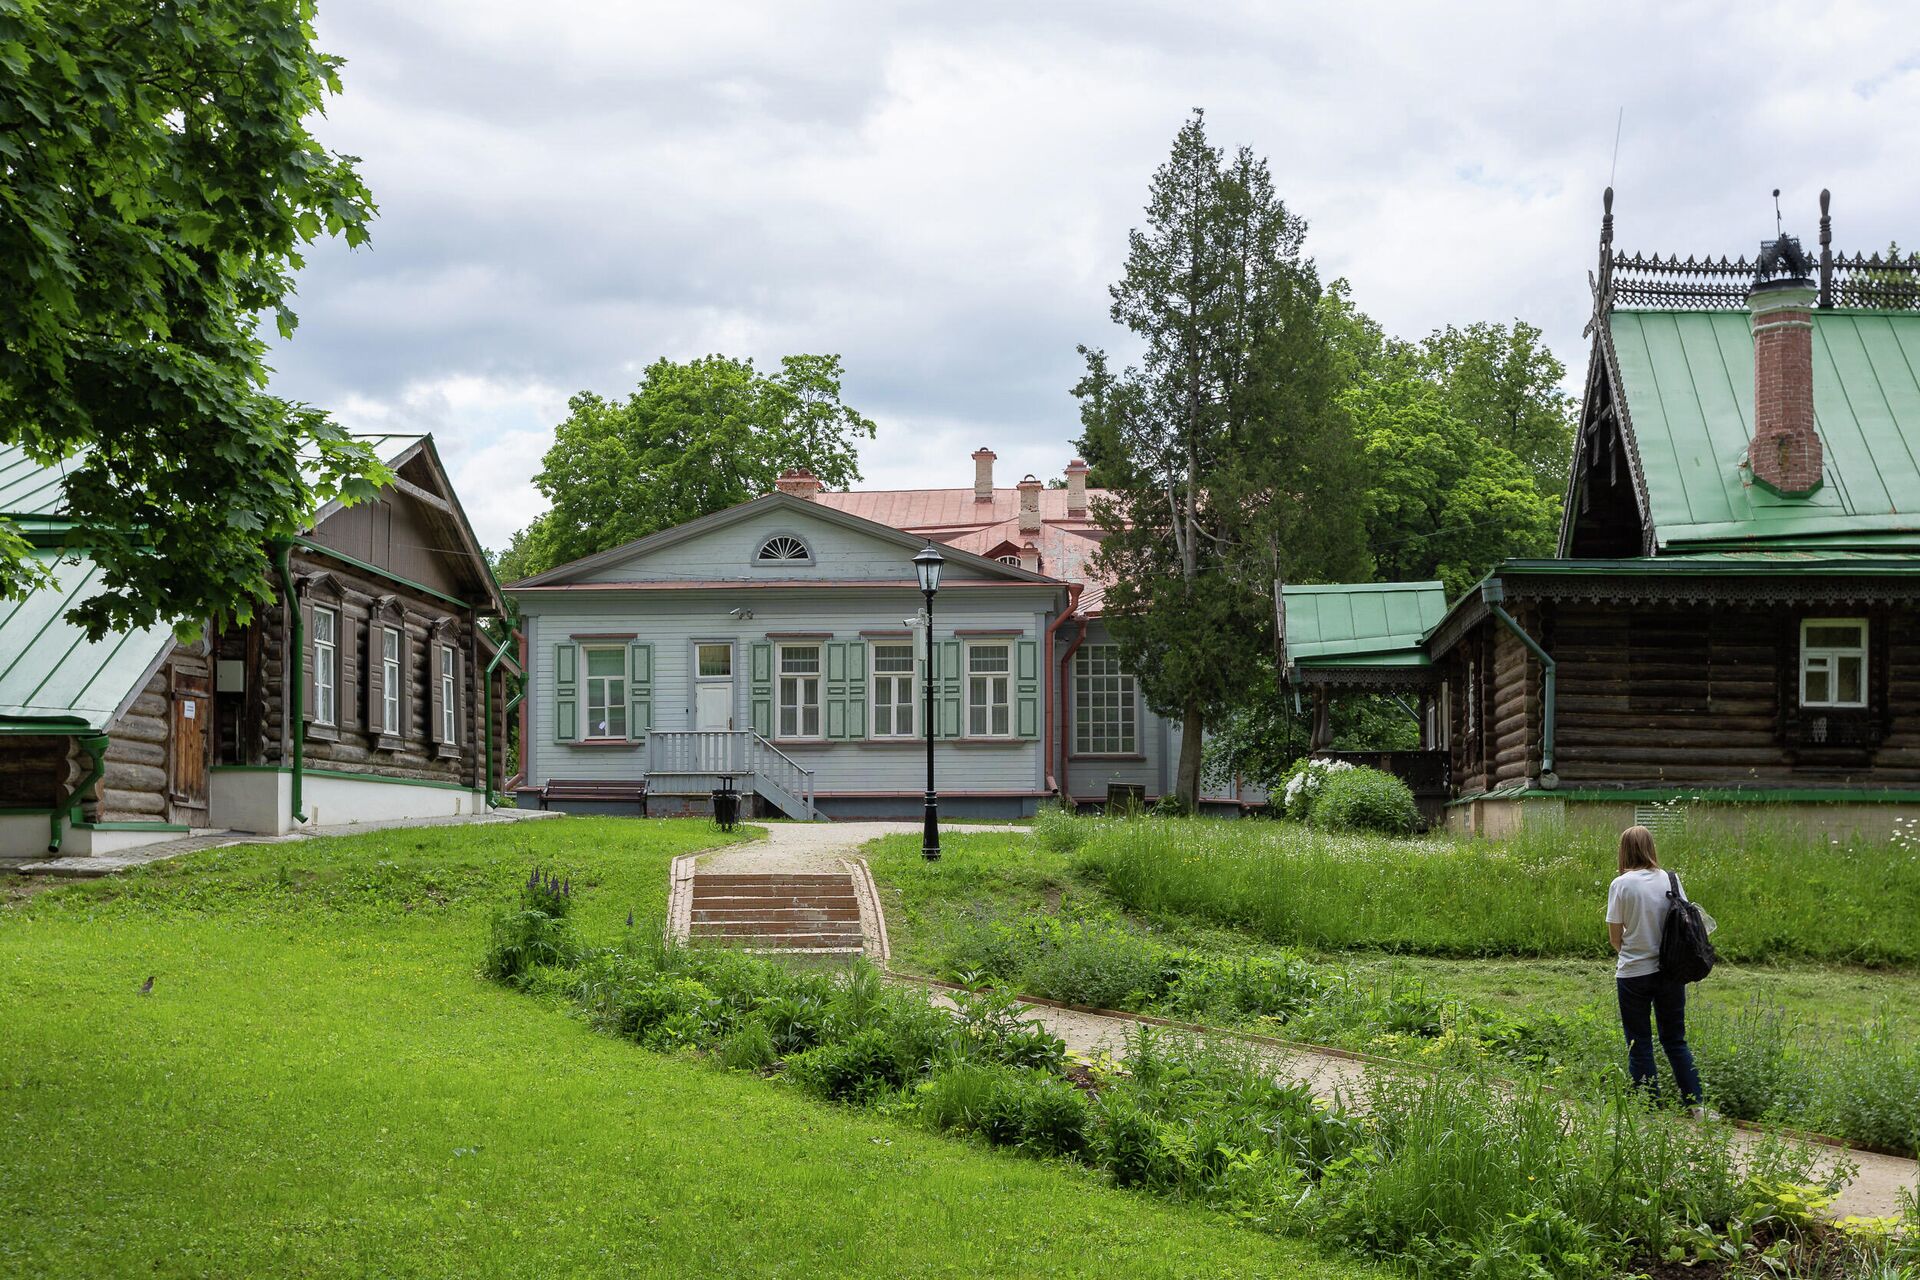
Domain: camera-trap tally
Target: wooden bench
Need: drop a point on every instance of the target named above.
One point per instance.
(594, 789)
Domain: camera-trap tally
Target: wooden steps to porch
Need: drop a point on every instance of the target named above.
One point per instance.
(814, 912)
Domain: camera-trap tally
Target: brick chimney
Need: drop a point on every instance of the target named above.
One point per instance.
(983, 474)
(1030, 556)
(1077, 487)
(798, 482)
(1029, 505)
(1785, 454)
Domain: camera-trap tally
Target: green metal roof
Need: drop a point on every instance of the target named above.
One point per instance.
(51, 673)
(1688, 386)
(1361, 623)
(1771, 562)
(28, 488)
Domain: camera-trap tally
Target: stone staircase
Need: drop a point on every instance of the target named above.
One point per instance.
(817, 913)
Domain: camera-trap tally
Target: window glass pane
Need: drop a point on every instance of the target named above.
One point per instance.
(1828, 635)
(882, 719)
(977, 721)
(801, 659)
(893, 657)
(987, 657)
(716, 659)
(1847, 680)
(616, 721)
(810, 720)
(323, 626)
(390, 644)
(1104, 703)
(606, 662)
(1000, 719)
(1817, 685)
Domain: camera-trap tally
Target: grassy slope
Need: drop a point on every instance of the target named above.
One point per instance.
(320, 1086)
(1005, 875)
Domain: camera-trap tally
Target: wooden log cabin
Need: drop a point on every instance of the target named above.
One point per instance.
(1731, 615)
(368, 690)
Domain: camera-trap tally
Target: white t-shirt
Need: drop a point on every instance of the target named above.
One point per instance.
(1637, 900)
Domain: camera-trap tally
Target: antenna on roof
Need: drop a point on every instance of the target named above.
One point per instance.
(1614, 168)
(1778, 228)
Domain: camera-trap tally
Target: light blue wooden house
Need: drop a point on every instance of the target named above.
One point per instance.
(773, 644)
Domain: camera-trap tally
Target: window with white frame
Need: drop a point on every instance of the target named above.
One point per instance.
(799, 691)
(989, 668)
(893, 690)
(448, 685)
(390, 680)
(783, 549)
(326, 666)
(1012, 560)
(1105, 703)
(606, 690)
(1833, 662)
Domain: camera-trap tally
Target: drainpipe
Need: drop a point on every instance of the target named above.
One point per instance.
(95, 745)
(294, 693)
(486, 699)
(1056, 746)
(1493, 592)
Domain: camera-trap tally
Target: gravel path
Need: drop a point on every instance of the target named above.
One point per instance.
(811, 846)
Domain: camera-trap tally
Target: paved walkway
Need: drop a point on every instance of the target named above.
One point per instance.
(94, 865)
(822, 847)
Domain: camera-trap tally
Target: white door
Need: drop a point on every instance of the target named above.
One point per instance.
(713, 705)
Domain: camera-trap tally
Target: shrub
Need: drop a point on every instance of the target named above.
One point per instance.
(1876, 1094)
(1007, 1106)
(1095, 963)
(1302, 784)
(534, 932)
(1365, 800)
(1749, 1065)
(1258, 986)
(748, 1048)
(858, 1069)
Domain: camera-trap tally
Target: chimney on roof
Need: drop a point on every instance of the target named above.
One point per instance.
(1029, 505)
(983, 474)
(1077, 487)
(1785, 454)
(1030, 556)
(798, 482)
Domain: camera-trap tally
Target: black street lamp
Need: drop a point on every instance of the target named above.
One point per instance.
(927, 562)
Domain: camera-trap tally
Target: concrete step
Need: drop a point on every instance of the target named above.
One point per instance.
(795, 912)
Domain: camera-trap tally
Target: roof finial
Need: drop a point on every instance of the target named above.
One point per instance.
(1779, 228)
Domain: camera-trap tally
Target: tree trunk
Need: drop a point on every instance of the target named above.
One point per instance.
(1187, 777)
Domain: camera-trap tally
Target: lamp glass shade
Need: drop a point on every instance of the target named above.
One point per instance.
(927, 562)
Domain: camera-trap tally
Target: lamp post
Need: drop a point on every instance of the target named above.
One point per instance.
(927, 562)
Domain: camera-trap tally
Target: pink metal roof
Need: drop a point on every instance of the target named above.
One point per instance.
(954, 518)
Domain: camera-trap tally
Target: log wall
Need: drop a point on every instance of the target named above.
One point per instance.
(1665, 695)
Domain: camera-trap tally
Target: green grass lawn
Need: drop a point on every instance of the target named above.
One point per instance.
(319, 1085)
(1814, 1045)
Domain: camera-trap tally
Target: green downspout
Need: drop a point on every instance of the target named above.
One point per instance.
(95, 745)
(486, 700)
(1493, 592)
(295, 690)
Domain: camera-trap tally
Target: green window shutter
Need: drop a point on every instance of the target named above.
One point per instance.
(1026, 688)
(639, 690)
(950, 689)
(760, 686)
(857, 688)
(835, 692)
(566, 692)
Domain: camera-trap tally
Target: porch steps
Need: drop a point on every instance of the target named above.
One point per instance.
(811, 912)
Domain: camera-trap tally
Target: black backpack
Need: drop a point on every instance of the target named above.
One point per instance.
(1686, 952)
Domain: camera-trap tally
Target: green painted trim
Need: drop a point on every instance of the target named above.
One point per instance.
(44, 728)
(1710, 795)
(1774, 489)
(347, 774)
(322, 549)
(131, 826)
(1677, 563)
(26, 813)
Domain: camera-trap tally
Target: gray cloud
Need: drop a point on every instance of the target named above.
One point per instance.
(942, 194)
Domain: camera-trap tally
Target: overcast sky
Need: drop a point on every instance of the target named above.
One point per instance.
(941, 192)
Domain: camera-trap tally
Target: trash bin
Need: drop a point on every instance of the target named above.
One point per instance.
(726, 805)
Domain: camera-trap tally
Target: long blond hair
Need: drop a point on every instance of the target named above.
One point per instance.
(1636, 850)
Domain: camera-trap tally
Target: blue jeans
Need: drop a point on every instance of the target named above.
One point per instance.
(1666, 1001)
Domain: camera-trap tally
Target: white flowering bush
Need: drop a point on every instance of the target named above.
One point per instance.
(1303, 783)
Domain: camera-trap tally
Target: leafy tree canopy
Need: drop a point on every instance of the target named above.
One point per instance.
(692, 439)
(157, 184)
(1225, 449)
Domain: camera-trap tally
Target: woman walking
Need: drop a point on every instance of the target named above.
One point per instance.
(1637, 909)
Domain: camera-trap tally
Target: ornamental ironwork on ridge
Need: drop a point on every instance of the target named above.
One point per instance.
(1860, 281)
